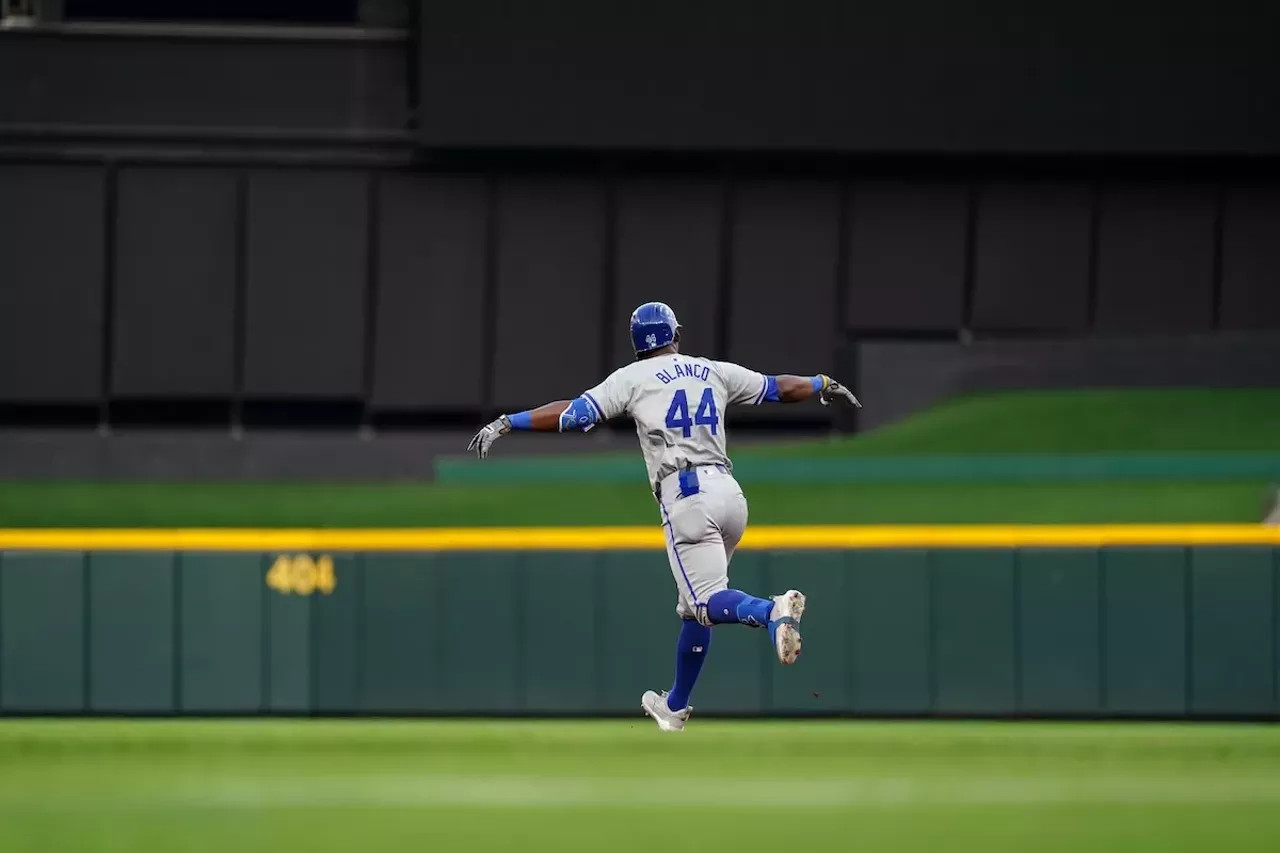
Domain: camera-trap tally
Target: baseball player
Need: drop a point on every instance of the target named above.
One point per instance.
(678, 403)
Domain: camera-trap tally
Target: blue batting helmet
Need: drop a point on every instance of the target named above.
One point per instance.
(653, 326)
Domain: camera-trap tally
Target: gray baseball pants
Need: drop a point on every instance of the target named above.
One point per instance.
(702, 530)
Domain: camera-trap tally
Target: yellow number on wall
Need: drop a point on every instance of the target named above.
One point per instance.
(279, 577)
(302, 575)
(326, 580)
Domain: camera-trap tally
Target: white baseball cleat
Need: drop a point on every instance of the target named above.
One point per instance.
(784, 625)
(655, 705)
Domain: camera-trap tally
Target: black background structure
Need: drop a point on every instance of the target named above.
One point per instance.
(222, 11)
(382, 228)
(929, 76)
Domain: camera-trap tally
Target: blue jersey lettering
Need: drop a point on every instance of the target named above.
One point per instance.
(683, 371)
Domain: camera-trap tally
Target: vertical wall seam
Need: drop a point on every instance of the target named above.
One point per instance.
(311, 648)
(844, 227)
(109, 209)
(609, 320)
(86, 631)
(1188, 641)
(413, 69)
(490, 306)
(176, 564)
(1104, 698)
(1016, 628)
(931, 572)
(239, 309)
(439, 634)
(267, 647)
(725, 274)
(361, 640)
(520, 602)
(850, 595)
(600, 565)
(372, 273)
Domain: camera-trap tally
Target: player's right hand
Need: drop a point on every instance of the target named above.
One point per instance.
(833, 390)
(484, 439)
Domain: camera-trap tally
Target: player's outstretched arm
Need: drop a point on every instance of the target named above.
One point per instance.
(750, 387)
(793, 389)
(559, 416)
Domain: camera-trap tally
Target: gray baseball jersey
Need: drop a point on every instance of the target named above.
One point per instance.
(678, 403)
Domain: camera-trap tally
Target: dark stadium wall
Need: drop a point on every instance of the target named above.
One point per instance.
(929, 76)
(1170, 632)
(239, 228)
(77, 87)
(257, 284)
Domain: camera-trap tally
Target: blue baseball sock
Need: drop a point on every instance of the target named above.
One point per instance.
(691, 651)
(732, 605)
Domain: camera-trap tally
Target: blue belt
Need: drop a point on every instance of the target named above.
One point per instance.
(689, 479)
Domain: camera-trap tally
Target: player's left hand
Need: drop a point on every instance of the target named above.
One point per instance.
(484, 439)
(835, 390)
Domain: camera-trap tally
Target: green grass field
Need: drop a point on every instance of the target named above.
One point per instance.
(1102, 421)
(422, 505)
(169, 787)
(1031, 422)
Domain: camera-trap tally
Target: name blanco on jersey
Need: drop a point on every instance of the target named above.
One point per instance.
(692, 371)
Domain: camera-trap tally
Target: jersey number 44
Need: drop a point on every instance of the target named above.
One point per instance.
(704, 415)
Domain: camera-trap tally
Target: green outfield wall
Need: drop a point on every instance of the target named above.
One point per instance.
(1167, 630)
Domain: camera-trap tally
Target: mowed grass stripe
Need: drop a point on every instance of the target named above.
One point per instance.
(580, 787)
(583, 740)
(219, 792)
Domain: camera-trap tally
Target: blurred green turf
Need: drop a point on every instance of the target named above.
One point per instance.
(245, 786)
(1026, 422)
(422, 505)
(1102, 421)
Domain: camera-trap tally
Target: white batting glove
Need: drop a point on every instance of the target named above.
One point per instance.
(484, 439)
(833, 389)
